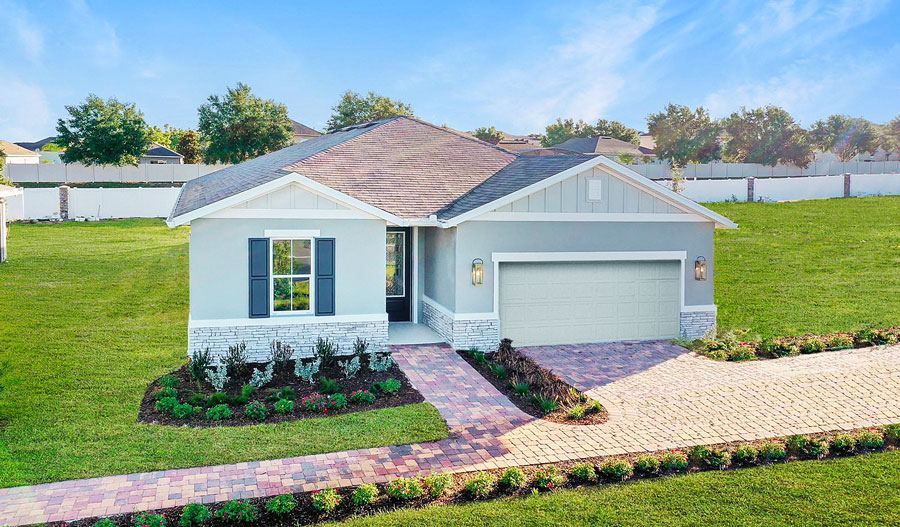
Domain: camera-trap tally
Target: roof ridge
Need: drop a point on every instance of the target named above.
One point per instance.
(342, 143)
(458, 134)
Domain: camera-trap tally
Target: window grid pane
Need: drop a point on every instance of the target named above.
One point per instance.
(292, 274)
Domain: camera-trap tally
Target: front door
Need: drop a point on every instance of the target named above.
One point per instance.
(399, 273)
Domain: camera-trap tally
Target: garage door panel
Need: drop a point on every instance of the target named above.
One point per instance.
(572, 302)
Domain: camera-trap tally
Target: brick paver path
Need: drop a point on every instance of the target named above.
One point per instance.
(658, 396)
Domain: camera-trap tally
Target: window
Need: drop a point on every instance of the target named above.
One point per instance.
(292, 275)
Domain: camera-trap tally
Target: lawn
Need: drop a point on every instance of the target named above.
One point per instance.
(813, 266)
(92, 313)
(850, 491)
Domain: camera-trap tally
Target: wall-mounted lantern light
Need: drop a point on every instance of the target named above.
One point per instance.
(478, 271)
(700, 268)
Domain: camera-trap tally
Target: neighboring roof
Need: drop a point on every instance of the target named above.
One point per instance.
(648, 141)
(602, 145)
(158, 150)
(517, 175)
(302, 129)
(519, 143)
(12, 149)
(37, 145)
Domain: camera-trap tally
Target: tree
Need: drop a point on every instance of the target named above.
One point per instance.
(189, 147)
(100, 132)
(353, 108)
(241, 126)
(488, 135)
(845, 136)
(617, 130)
(889, 136)
(767, 136)
(683, 135)
(4, 179)
(166, 136)
(563, 130)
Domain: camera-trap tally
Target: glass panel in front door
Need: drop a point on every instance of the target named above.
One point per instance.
(396, 261)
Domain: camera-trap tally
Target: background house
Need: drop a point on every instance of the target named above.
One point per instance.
(601, 145)
(161, 155)
(16, 155)
(303, 132)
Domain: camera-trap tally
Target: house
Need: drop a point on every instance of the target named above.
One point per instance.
(6, 193)
(399, 221)
(303, 132)
(16, 155)
(599, 145)
(36, 146)
(519, 143)
(158, 154)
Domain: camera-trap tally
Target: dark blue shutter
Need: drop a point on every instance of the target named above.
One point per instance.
(324, 276)
(259, 277)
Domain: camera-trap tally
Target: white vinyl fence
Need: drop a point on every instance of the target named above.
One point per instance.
(745, 170)
(789, 189)
(94, 203)
(78, 173)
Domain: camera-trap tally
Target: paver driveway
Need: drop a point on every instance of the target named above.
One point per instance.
(658, 395)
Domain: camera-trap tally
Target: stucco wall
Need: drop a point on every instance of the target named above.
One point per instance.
(218, 264)
(478, 239)
(440, 265)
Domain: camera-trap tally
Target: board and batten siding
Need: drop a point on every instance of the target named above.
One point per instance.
(291, 197)
(571, 195)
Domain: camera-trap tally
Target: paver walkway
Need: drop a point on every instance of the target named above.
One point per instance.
(658, 395)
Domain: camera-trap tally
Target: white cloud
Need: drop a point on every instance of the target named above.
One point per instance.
(29, 37)
(24, 111)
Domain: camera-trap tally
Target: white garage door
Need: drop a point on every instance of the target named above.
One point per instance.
(575, 302)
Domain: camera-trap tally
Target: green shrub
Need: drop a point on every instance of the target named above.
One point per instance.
(405, 488)
(165, 391)
(812, 345)
(575, 411)
(547, 478)
(105, 522)
(365, 494)
(545, 405)
(674, 461)
(892, 433)
(839, 341)
(814, 449)
(480, 485)
(772, 450)
(718, 458)
(329, 386)
(390, 386)
(149, 519)
(315, 402)
(843, 445)
(285, 393)
(219, 412)
(281, 505)
(438, 484)
(216, 399)
(478, 356)
(237, 511)
(521, 388)
(499, 371)
(745, 455)
(256, 410)
(513, 478)
(647, 465)
(583, 472)
(247, 390)
(166, 404)
(194, 515)
(616, 469)
(284, 406)
(197, 400)
(871, 439)
(169, 381)
(795, 443)
(362, 397)
(337, 402)
(698, 454)
(200, 361)
(182, 411)
(325, 351)
(594, 407)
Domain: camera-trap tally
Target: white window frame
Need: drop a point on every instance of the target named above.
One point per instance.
(311, 276)
(402, 260)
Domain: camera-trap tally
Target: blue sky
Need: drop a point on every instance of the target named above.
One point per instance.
(516, 65)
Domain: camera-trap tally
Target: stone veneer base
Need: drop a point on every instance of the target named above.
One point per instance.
(301, 337)
(483, 334)
(698, 324)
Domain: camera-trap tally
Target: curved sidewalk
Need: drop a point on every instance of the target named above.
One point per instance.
(658, 395)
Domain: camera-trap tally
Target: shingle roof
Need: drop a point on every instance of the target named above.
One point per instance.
(599, 145)
(36, 145)
(522, 172)
(12, 149)
(158, 150)
(401, 165)
(302, 129)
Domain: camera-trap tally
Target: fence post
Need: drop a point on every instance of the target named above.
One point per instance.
(63, 202)
(847, 185)
(751, 181)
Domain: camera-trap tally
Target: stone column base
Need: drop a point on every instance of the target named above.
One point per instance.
(461, 333)
(698, 324)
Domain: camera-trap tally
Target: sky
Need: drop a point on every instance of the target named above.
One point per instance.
(513, 65)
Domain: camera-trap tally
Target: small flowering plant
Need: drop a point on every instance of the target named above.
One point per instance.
(548, 478)
(237, 511)
(839, 341)
(362, 397)
(674, 461)
(480, 485)
(325, 500)
(256, 410)
(337, 402)
(406, 488)
(316, 403)
(773, 450)
(149, 519)
(871, 439)
(165, 391)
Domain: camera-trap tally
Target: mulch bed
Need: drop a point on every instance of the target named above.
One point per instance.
(363, 381)
(524, 402)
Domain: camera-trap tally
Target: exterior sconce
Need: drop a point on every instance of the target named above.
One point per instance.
(477, 271)
(700, 268)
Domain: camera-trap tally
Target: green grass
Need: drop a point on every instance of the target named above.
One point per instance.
(92, 313)
(814, 266)
(850, 491)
